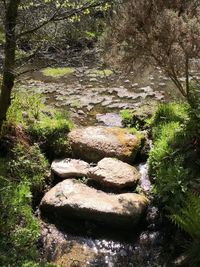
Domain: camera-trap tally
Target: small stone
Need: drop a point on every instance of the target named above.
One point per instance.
(162, 84)
(25, 115)
(127, 81)
(81, 112)
(93, 80)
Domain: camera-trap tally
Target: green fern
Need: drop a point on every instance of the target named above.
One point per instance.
(188, 219)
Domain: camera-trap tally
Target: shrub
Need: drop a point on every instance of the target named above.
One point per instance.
(171, 182)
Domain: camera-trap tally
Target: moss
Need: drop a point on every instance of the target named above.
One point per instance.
(126, 116)
(57, 72)
(75, 103)
(131, 145)
(51, 135)
(45, 126)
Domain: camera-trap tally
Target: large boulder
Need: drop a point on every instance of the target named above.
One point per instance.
(70, 168)
(95, 143)
(73, 199)
(111, 172)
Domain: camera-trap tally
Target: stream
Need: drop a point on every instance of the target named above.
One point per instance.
(83, 243)
(92, 97)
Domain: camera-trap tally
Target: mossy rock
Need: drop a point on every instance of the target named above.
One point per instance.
(94, 143)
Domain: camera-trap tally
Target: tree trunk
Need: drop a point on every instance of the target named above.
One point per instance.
(9, 62)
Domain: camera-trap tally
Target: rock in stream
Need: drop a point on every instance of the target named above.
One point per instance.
(72, 199)
(113, 173)
(94, 143)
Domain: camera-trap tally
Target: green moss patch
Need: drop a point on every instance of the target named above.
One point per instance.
(57, 72)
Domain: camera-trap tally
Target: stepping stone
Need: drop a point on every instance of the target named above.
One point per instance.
(95, 143)
(72, 199)
(114, 173)
(70, 168)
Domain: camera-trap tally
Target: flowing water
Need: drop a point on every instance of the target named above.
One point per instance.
(82, 244)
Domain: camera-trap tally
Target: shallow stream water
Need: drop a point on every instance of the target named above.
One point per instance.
(94, 95)
(82, 243)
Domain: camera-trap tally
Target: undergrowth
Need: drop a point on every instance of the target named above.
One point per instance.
(45, 126)
(24, 175)
(187, 219)
(174, 168)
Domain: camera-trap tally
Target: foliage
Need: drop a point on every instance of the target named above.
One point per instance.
(171, 182)
(139, 118)
(174, 168)
(160, 33)
(188, 219)
(169, 164)
(162, 150)
(19, 229)
(23, 176)
(29, 164)
(51, 135)
(57, 72)
(25, 108)
(47, 127)
(170, 112)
